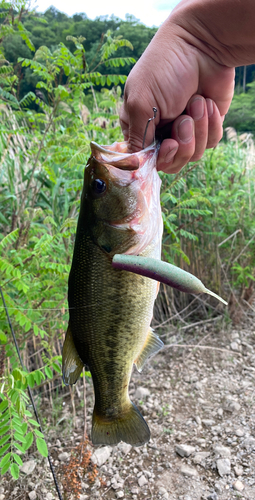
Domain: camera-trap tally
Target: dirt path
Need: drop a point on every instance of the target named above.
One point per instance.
(199, 405)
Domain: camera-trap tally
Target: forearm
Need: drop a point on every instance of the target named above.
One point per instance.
(223, 29)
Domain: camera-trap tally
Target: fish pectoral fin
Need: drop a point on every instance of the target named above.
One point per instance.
(72, 365)
(152, 345)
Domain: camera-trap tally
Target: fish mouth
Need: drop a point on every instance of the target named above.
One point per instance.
(117, 155)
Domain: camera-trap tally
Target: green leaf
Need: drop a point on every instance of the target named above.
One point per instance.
(17, 459)
(4, 448)
(38, 433)
(19, 447)
(4, 429)
(4, 439)
(29, 440)
(3, 405)
(33, 422)
(5, 459)
(48, 372)
(31, 380)
(42, 447)
(19, 437)
(14, 471)
(56, 367)
(3, 338)
(5, 468)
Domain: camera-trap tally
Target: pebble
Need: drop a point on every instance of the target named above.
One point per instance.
(84, 497)
(208, 422)
(223, 451)
(184, 450)
(2, 496)
(125, 448)
(238, 485)
(249, 442)
(234, 346)
(188, 471)
(238, 470)
(100, 456)
(32, 495)
(49, 496)
(239, 432)
(142, 481)
(213, 496)
(142, 393)
(28, 467)
(64, 456)
(223, 466)
(120, 494)
(200, 456)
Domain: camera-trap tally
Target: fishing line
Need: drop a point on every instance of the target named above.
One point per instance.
(146, 128)
(30, 392)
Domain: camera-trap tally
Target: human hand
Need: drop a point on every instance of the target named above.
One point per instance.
(176, 77)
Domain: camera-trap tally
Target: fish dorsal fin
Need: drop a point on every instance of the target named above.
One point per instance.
(72, 365)
(152, 345)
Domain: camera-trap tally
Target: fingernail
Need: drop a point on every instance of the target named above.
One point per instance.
(197, 108)
(169, 156)
(209, 105)
(186, 130)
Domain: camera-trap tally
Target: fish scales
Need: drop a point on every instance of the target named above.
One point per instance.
(111, 310)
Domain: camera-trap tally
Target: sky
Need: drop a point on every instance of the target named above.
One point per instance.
(153, 14)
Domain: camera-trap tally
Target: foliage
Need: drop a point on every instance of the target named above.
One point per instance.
(242, 110)
(43, 152)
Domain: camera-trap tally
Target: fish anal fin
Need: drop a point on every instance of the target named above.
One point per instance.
(129, 427)
(72, 365)
(152, 345)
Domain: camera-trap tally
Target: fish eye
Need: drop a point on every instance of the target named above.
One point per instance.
(98, 186)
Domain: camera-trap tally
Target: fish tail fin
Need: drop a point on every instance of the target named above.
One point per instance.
(129, 427)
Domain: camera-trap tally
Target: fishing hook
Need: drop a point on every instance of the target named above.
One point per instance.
(148, 122)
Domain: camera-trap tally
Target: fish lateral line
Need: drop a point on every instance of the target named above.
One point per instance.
(164, 272)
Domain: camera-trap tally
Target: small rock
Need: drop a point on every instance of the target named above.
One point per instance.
(84, 497)
(198, 420)
(49, 496)
(208, 422)
(32, 495)
(238, 470)
(120, 494)
(234, 346)
(142, 481)
(100, 456)
(2, 496)
(31, 486)
(64, 456)
(238, 485)
(142, 393)
(233, 406)
(188, 471)
(239, 432)
(162, 490)
(125, 448)
(213, 496)
(200, 456)
(222, 451)
(223, 466)
(249, 442)
(184, 450)
(134, 491)
(28, 467)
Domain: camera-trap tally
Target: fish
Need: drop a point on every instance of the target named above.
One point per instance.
(110, 310)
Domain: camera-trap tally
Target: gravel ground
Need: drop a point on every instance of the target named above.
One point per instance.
(199, 404)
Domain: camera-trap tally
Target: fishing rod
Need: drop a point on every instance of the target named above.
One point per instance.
(30, 393)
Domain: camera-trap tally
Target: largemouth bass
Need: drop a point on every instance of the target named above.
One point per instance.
(111, 309)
